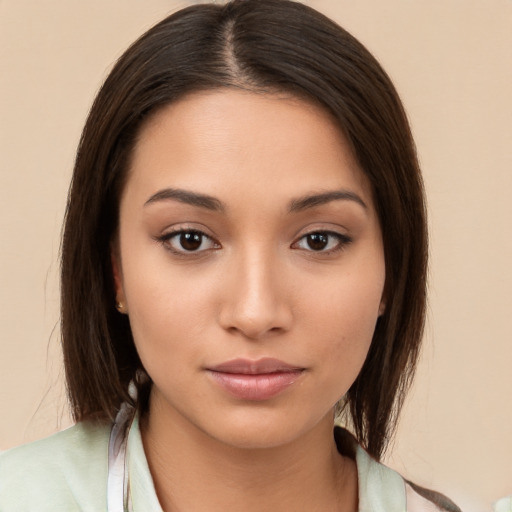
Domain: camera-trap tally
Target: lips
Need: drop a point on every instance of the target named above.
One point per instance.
(255, 380)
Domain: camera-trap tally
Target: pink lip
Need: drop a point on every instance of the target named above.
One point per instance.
(255, 380)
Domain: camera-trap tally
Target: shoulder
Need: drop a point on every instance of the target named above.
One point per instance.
(382, 489)
(425, 500)
(66, 471)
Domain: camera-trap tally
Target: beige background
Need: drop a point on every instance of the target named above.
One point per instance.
(451, 61)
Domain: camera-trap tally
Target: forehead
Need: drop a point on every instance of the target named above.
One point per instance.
(225, 139)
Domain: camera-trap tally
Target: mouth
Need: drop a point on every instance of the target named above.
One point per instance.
(255, 380)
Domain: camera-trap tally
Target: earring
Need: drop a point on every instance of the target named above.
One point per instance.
(120, 307)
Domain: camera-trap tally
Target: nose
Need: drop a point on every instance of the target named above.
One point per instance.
(256, 301)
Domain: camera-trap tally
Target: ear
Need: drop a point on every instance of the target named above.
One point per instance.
(117, 275)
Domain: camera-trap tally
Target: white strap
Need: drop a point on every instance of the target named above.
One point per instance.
(118, 499)
(117, 481)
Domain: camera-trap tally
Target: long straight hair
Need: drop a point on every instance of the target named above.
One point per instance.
(262, 46)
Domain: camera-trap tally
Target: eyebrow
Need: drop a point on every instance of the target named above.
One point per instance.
(187, 197)
(310, 201)
(214, 204)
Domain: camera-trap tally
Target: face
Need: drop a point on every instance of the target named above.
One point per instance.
(251, 265)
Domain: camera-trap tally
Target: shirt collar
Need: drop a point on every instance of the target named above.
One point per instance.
(380, 489)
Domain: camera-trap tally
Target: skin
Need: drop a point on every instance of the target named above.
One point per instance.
(254, 286)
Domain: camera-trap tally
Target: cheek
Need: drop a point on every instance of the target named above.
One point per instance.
(167, 306)
(344, 316)
(164, 315)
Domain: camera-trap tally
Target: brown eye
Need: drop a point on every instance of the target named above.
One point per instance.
(317, 241)
(184, 242)
(191, 240)
(325, 242)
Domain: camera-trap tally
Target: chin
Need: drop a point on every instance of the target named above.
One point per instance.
(264, 429)
(256, 438)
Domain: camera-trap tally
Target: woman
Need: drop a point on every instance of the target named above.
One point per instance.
(244, 255)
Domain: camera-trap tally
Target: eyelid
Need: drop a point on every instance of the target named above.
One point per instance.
(181, 227)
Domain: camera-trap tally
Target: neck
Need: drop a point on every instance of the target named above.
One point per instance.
(193, 471)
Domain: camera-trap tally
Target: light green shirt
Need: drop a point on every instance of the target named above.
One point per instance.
(68, 472)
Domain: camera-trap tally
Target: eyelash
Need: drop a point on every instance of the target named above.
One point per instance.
(342, 241)
(167, 239)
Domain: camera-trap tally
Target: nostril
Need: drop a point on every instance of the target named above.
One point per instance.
(255, 332)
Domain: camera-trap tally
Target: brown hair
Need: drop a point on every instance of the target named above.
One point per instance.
(260, 45)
